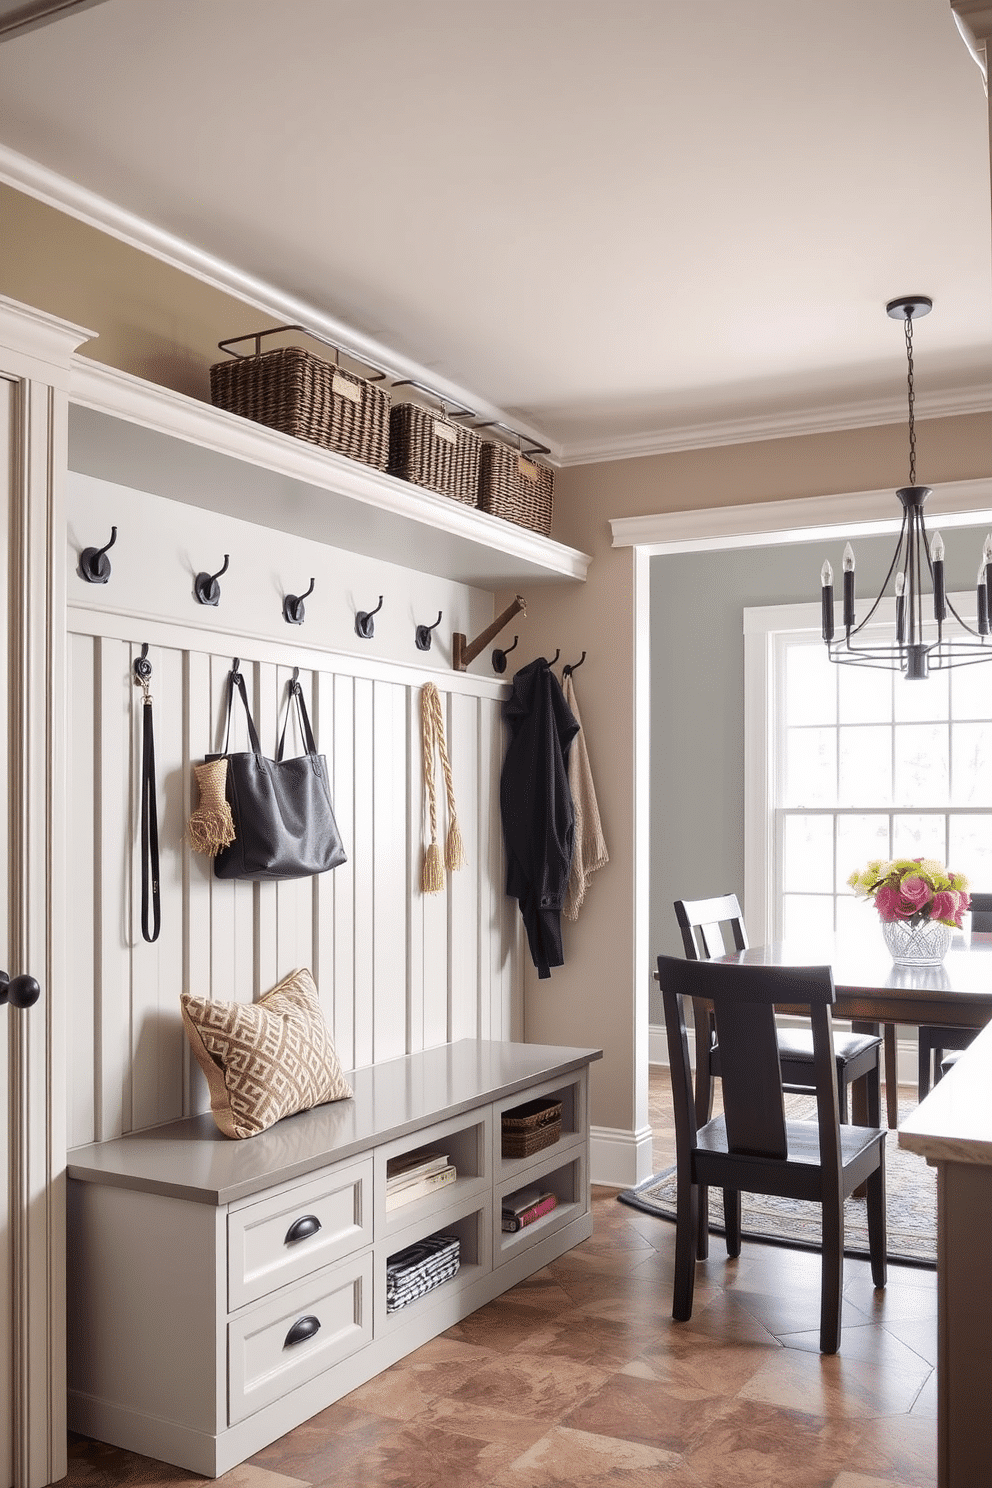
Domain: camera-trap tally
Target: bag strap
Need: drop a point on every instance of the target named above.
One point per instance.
(296, 691)
(149, 809)
(236, 680)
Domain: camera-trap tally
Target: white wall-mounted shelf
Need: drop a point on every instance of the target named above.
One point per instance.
(137, 434)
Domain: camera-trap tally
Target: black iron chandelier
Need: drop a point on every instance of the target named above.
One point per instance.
(912, 652)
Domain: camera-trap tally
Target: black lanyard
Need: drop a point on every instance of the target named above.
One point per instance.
(149, 809)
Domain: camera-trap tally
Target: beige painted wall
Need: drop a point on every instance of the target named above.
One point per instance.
(162, 324)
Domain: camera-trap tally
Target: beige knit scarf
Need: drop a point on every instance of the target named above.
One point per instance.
(432, 719)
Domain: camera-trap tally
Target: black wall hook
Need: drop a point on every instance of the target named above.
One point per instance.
(206, 587)
(424, 636)
(94, 565)
(293, 608)
(499, 657)
(568, 670)
(142, 667)
(364, 624)
(554, 658)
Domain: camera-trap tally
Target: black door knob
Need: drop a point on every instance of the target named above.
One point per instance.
(19, 991)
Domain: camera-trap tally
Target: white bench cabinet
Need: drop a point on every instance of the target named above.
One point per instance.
(222, 1292)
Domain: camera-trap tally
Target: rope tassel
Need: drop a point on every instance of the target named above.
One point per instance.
(211, 826)
(432, 719)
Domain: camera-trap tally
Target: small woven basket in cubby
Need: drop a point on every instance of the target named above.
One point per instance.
(516, 487)
(530, 1128)
(298, 393)
(432, 450)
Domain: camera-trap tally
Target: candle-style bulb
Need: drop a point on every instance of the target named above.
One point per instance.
(937, 548)
(900, 585)
(987, 551)
(981, 572)
(848, 559)
(826, 575)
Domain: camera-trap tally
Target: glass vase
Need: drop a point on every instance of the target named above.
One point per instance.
(925, 944)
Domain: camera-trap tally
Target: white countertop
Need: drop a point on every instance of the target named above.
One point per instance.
(954, 1123)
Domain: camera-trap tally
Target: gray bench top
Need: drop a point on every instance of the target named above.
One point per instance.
(192, 1159)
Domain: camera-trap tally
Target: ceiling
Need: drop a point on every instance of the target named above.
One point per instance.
(626, 224)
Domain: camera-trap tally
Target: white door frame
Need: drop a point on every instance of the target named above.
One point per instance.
(35, 351)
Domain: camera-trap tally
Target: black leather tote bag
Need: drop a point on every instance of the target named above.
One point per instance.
(283, 821)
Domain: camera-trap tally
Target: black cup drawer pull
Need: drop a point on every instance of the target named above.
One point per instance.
(302, 1229)
(302, 1329)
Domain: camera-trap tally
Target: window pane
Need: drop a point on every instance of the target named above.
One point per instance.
(808, 917)
(971, 691)
(810, 685)
(864, 695)
(811, 767)
(971, 764)
(809, 854)
(859, 839)
(922, 776)
(865, 766)
(921, 701)
(919, 837)
(970, 849)
(857, 920)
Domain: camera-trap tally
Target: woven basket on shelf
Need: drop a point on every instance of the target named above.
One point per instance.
(515, 487)
(433, 451)
(292, 390)
(531, 1127)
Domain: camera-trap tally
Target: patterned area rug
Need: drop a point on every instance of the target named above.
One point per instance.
(911, 1206)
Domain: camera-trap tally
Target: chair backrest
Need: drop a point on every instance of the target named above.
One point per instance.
(981, 913)
(744, 999)
(700, 921)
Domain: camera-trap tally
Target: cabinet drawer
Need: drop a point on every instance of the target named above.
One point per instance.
(287, 1340)
(289, 1235)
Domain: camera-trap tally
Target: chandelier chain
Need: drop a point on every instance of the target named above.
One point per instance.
(912, 399)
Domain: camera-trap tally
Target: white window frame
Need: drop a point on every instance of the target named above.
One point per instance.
(764, 628)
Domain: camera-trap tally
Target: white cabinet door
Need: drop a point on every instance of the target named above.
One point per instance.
(35, 352)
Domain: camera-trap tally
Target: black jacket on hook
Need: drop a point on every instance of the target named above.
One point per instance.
(536, 806)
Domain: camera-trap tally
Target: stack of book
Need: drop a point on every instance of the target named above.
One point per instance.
(522, 1208)
(416, 1174)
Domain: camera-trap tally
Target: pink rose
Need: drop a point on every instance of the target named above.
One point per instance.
(889, 904)
(948, 905)
(914, 894)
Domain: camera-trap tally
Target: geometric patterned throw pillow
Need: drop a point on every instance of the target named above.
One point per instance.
(264, 1060)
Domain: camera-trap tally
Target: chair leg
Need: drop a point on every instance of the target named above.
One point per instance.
(877, 1241)
(925, 1066)
(686, 1225)
(832, 1273)
(842, 1098)
(732, 1220)
(873, 1096)
(703, 1224)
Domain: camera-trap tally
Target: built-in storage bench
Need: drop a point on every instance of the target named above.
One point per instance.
(222, 1292)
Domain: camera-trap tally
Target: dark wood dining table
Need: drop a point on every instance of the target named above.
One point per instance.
(873, 992)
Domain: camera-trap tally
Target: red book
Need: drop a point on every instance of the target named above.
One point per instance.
(514, 1222)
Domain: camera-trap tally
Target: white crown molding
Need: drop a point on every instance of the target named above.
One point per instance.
(56, 191)
(862, 415)
(957, 503)
(45, 339)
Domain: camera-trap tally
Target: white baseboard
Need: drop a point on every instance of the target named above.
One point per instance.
(618, 1158)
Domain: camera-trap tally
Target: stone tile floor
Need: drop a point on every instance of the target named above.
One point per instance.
(580, 1376)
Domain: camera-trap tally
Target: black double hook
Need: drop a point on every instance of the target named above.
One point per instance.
(499, 657)
(364, 624)
(568, 670)
(206, 587)
(293, 609)
(94, 565)
(424, 636)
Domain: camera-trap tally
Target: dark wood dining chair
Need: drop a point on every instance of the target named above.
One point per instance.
(857, 1055)
(752, 1147)
(934, 1041)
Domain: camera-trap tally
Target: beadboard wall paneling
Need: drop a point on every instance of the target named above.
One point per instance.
(397, 970)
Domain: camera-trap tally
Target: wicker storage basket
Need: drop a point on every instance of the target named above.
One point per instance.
(430, 450)
(531, 1127)
(514, 487)
(298, 393)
